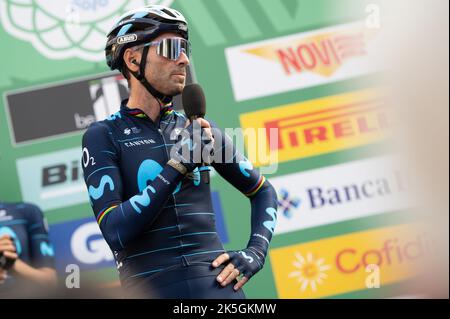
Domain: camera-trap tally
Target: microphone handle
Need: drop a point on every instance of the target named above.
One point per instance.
(204, 169)
(204, 174)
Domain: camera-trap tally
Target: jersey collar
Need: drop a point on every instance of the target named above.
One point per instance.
(137, 112)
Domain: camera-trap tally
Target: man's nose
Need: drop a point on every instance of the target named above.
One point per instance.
(183, 59)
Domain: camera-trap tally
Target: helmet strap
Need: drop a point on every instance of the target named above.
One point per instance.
(140, 76)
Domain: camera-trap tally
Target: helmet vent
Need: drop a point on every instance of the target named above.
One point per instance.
(168, 12)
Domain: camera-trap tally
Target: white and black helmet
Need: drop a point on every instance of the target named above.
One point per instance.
(140, 26)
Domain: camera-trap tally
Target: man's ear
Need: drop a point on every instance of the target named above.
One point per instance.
(131, 58)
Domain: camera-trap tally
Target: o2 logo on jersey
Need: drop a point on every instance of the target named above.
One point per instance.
(13, 235)
(88, 245)
(87, 159)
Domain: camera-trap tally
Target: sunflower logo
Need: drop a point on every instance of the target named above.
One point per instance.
(310, 272)
(66, 28)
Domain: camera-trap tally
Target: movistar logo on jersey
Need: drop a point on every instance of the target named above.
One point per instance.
(47, 249)
(66, 28)
(97, 192)
(249, 258)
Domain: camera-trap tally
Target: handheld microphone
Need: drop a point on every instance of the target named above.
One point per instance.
(194, 105)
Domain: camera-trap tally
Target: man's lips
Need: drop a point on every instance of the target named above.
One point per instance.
(180, 72)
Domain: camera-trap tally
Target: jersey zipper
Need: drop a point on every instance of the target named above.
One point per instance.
(173, 196)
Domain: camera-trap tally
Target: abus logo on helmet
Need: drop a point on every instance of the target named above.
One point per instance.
(126, 38)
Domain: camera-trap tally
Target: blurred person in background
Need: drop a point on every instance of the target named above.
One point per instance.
(417, 82)
(152, 207)
(26, 254)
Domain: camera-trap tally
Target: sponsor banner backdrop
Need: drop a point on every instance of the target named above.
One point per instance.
(53, 180)
(97, 98)
(341, 192)
(80, 242)
(302, 60)
(347, 263)
(318, 126)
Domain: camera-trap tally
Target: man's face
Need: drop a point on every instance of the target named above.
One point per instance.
(167, 76)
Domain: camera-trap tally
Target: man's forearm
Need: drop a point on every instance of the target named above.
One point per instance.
(247, 262)
(42, 276)
(264, 207)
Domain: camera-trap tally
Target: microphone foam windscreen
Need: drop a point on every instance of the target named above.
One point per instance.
(194, 103)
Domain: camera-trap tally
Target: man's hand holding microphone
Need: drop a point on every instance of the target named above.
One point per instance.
(195, 143)
(8, 256)
(194, 147)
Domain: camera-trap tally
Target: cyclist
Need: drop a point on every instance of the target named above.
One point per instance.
(152, 207)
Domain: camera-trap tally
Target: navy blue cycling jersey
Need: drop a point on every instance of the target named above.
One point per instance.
(25, 224)
(152, 217)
